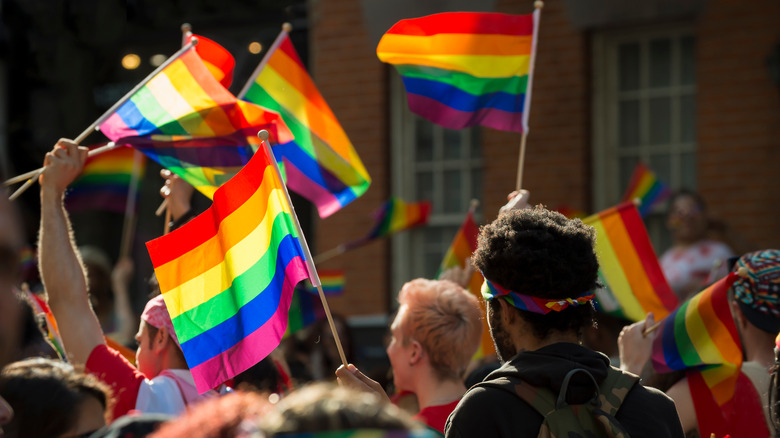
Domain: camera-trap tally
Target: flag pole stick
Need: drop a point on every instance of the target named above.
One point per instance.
(538, 5)
(167, 226)
(128, 226)
(286, 28)
(314, 278)
(95, 125)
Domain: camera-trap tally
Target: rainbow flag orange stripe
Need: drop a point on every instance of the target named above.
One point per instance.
(628, 267)
(228, 275)
(189, 123)
(646, 186)
(105, 181)
(463, 246)
(702, 335)
(320, 164)
(463, 69)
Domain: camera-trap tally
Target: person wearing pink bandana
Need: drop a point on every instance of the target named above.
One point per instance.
(162, 382)
(540, 273)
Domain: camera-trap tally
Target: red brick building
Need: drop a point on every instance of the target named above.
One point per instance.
(692, 88)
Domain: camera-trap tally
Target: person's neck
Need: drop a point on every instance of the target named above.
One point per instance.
(431, 391)
(528, 342)
(759, 347)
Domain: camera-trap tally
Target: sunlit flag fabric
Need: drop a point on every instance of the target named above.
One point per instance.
(464, 69)
(228, 275)
(628, 267)
(104, 183)
(320, 164)
(646, 186)
(216, 58)
(701, 337)
(457, 256)
(189, 123)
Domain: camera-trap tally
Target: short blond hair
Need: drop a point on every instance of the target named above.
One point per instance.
(446, 320)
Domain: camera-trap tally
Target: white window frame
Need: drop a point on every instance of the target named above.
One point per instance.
(606, 153)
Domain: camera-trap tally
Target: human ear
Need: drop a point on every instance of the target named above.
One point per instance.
(417, 353)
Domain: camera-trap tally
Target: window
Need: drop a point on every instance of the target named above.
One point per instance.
(644, 110)
(436, 164)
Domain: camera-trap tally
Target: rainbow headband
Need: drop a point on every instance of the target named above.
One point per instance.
(538, 305)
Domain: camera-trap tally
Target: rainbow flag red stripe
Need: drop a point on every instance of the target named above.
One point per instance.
(104, 183)
(320, 164)
(228, 275)
(645, 186)
(628, 266)
(189, 123)
(216, 58)
(702, 335)
(463, 246)
(463, 69)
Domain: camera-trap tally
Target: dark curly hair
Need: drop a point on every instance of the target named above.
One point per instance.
(541, 253)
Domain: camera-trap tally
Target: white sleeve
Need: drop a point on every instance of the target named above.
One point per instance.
(160, 395)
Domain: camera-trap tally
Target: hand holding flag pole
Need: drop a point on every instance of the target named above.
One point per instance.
(313, 276)
(94, 126)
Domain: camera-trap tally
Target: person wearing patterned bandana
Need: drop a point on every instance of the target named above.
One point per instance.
(540, 272)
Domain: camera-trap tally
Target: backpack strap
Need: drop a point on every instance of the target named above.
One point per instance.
(614, 389)
(541, 399)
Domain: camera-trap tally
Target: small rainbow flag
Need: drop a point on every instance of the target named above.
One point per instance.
(646, 186)
(40, 307)
(305, 309)
(216, 58)
(228, 275)
(189, 123)
(393, 216)
(320, 164)
(463, 246)
(701, 335)
(463, 69)
(628, 267)
(104, 183)
(332, 281)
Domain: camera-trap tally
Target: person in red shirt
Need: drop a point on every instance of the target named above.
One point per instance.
(162, 383)
(433, 337)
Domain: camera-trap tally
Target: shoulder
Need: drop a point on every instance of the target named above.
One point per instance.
(160, 395)
(649, 412)
(488, 410)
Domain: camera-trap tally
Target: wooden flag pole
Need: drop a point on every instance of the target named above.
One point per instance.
(538, 5)
(521, 162)
(313, 276)
(167, 226)
(128, 226)
(96, 124)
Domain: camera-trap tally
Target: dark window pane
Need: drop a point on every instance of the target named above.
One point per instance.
(660, 120)
(628, 119)
(629, 68)
(660, 63)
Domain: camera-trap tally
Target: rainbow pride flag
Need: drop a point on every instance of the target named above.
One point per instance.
(40, 307)
(393, 216)
(464, 69)
(320, 164)
(646, 186)
(701, 335)
(332, 281)
(216, 58)
(228, 275)
(463, 246)
(189, 123)
(104, 183)
(628, 268)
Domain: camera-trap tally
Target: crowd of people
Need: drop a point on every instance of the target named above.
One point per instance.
(548, 377)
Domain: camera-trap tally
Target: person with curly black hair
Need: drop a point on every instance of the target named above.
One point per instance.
(541, 272)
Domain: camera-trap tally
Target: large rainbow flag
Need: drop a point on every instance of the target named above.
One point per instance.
(645, 186)
(320, 163)
(104, 183)
(463, 69)
(189, 123)
(463, 246)
(628, 267)
(228, 275)
(702, 335)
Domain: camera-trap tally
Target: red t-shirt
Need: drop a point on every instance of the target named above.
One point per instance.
(125, 380)
(435, 417)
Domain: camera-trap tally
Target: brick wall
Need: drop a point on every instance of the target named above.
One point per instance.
(738, 128)
(739, 119)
